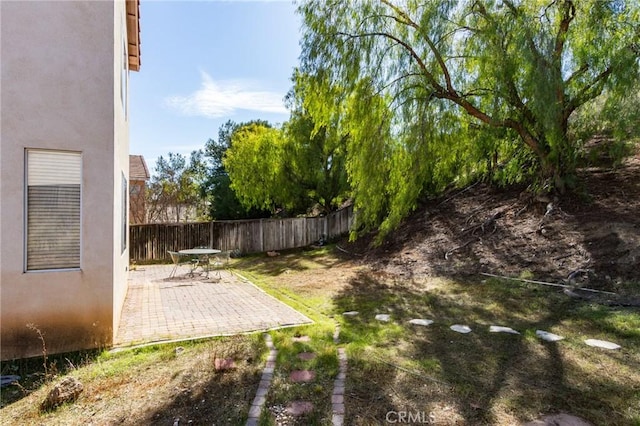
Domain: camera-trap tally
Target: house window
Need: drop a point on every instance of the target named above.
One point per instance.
(53, 199)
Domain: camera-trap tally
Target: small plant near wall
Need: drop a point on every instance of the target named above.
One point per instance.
(45, 364)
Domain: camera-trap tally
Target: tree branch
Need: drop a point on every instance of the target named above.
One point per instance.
(514, 10)
(434, 83)
(588, 92)
(577, 73)
(568, 13)
(432, 46)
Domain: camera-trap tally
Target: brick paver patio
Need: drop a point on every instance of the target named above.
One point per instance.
(160, 309)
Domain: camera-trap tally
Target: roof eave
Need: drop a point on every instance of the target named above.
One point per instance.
(133, 33)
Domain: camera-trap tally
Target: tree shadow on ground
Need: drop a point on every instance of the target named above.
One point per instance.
(480, 377)
(205, 394)
(224, 399)
(293, 260)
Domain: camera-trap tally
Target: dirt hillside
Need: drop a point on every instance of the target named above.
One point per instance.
(590, 238)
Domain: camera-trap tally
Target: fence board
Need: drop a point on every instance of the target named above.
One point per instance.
(152, 241)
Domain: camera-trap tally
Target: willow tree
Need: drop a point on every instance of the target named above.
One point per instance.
(433, 90)
(314, 156)
(254, 167)
(295, 168)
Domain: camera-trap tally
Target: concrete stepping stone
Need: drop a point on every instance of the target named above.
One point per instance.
(224, 364)
(501, 329)
(306, 356)
(350, 313)
(549, 337)
(420, 321)
(559, 420)
(602, 344)
(299, 408)
(298, 376)
(383, 317)
(464, 329)
(336, 334)
(301, 338)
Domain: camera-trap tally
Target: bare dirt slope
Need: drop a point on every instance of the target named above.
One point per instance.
(590, 238)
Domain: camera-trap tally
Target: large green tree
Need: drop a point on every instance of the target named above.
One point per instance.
(433, 91)
(216, 187)
(254, 166)
(314, 159)
(297, 168)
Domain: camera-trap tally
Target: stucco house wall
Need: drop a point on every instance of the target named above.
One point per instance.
(61, 90)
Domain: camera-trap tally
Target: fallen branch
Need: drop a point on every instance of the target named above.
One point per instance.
(546, 283)
(564, 257)
(573, 274)
(458, 193)
(348, 252)
(446, 255)
(485, 224)
(526, 206)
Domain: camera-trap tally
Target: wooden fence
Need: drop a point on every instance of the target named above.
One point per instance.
(152, 241)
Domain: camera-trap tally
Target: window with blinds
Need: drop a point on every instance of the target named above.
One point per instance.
(53, 210)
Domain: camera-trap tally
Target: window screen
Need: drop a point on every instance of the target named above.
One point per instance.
(53, 210)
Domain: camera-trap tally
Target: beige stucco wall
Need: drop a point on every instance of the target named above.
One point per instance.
(59, 92)
(121, 160)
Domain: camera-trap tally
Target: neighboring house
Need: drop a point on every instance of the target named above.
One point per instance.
(138, 177)
(64, 158)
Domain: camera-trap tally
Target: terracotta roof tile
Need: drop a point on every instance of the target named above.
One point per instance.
(138, 168)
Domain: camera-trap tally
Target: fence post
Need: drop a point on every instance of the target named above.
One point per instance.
(325, 226)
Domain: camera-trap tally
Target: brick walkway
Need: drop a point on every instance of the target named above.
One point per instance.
(159, 309)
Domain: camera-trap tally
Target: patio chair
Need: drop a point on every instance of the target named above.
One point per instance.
(219, 261)
(176, 258)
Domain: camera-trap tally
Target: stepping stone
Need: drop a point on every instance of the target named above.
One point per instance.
(301, 338)
(383, 317)
(501, 329)
(559, 420)
(602, 344)
(423, 322)
(224, 364)
(464, 329)
(299, 408)
(302, 376)
(350, 313)
(306, 356)
(549, 337)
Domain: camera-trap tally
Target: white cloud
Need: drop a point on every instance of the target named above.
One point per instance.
(216, 99)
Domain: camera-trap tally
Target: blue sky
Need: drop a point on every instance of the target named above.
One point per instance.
(206, 62)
